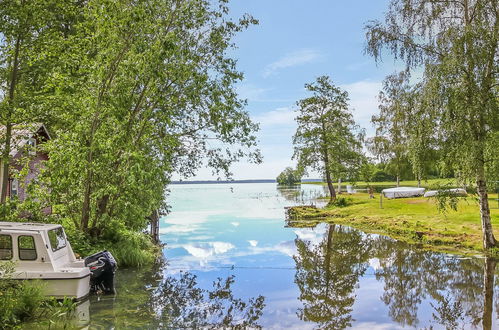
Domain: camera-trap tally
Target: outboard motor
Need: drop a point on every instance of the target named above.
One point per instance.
(102, 267)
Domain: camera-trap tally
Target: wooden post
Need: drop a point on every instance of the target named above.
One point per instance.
(155, 226)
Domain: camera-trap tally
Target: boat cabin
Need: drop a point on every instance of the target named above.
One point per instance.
(42, 251)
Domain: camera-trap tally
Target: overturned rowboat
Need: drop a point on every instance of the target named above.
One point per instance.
(42, 252)
(446, 192)
(403, 192)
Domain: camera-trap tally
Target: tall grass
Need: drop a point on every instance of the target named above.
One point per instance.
(130, 248)
(22, 301)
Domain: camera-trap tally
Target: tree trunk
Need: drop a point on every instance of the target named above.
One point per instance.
(488, 292)
(489, 240)
(6, 163)
(85, 209)
(339, 186)
(332, 193)
(419, 181)
(398, 180)
(8, 123)
(327, 258)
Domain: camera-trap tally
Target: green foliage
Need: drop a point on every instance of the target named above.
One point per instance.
(289, 177)
(380, 175)
(367, 171)
(20, 300)
(327, 139)
(456, 106)
(395, 128)
(131, 92)
(130, 248)
(327, 274)
(149, 84)
(140, 250)
(340, 202)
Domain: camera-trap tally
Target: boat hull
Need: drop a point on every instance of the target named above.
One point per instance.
(75, 288)
(63, 287)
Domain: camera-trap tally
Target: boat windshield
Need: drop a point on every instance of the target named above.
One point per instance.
(57, 239)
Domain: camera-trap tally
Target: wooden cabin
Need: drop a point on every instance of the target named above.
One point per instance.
(24, 150)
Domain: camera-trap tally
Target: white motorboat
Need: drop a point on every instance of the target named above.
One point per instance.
(451, 192)
(403, 192)
(42, 252)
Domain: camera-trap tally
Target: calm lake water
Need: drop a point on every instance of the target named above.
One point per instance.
(232, 259)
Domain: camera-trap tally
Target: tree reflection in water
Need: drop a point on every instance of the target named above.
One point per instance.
(181, 304)
(327, 275)
(460, 291)
(154, 301)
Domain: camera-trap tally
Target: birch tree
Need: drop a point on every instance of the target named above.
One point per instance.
(392, 122)
(327, 139)
(457, 43)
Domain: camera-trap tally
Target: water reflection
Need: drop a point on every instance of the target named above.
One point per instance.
(327, 274)
(152, 300)
(312, 274)
(452, 292)
(300, 196)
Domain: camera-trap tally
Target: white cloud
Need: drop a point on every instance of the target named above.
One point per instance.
(205, 251)
(252, 242)
(364, 100)
(313, 235)
(178, 229)
(235, 224)
(287, 248)
(251, 92)
(293, 59)
(284, 116)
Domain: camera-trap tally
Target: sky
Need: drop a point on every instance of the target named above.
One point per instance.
(295, 42)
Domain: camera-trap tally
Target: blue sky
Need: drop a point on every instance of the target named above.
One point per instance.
(295, 42)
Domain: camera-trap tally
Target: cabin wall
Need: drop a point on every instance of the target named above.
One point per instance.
(35, 167)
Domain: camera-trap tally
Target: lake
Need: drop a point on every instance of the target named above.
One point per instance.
(232, 259)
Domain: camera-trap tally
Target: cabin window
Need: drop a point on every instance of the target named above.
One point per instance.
(27, 249)
(57, 239)
(14, 187)
(5, 247)
(31, 146)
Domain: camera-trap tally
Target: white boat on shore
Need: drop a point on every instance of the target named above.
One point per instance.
(452, 192)
(403, 192)
(42, 252)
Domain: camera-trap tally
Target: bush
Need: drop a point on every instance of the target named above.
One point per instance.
(134, 249)
(19, 300)
(128, 247)
(289, 177)
(340, 202)
(381, 176)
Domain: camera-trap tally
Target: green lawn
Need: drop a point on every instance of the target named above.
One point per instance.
(415, 220)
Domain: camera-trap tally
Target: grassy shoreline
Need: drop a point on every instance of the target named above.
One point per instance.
(413, 220)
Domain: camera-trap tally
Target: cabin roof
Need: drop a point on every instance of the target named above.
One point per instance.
(20, 134)
(26, 226)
